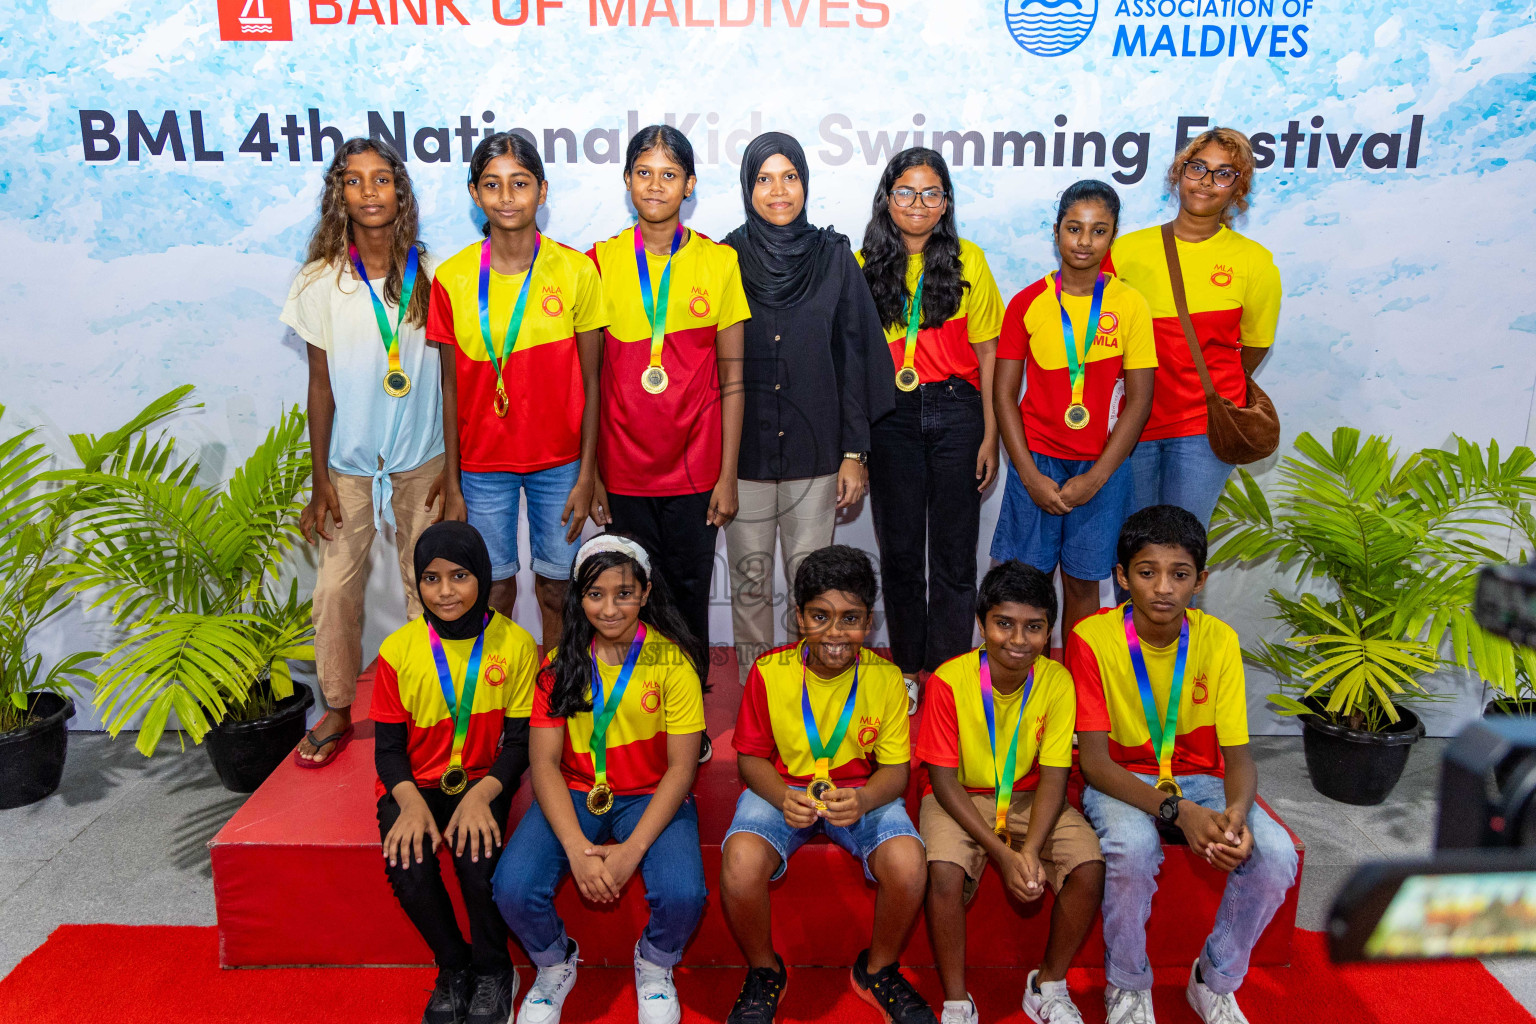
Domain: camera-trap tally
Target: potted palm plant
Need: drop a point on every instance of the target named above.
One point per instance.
(1385, 552)
(190, 574)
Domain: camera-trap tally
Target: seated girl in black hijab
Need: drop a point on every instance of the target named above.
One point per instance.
(451, 700)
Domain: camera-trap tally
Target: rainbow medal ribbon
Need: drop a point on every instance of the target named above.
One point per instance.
(397, 383)
(1004, 779)
(514, 325)
(822, 783)
(600, 796)
(654, 377)
(906, 377)
(1077, 364)
(455, 778)
(1164, 735)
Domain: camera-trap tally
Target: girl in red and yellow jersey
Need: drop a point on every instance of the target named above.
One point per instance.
(518, 317)
(451, 700)
(1078, 338)
(670, 431)
(932, 458)
(1233, 290)
(617, 719)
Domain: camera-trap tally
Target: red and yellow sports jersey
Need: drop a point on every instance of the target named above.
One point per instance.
(954, 733)
(945, 351)
(1213, 710)
(1233, 289)
(770, 723)
(657, 445)
(406, 689)
(542, 427)
(663, 697)
(1032, 332)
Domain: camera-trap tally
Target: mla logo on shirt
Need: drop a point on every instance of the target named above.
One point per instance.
(258, 21)
(1221, 276)
(650, 701)
(869, 732)
(1202, 692)
(552, 304)
(699, 304)
(496, 673)
(1039, 731)
(1050, 28)
(1109, 323)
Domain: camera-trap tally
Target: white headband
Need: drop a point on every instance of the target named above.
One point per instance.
(612, 542)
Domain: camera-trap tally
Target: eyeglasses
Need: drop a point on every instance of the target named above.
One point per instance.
(1225, 177)
(933, 198)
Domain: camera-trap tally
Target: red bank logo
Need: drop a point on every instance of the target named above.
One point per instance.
(260, 21)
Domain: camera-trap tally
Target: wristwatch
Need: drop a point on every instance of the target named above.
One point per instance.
(862, 458)
(1168, 810)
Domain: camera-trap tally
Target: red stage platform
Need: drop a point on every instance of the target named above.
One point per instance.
(299, 879)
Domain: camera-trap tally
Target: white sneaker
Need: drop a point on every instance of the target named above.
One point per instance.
(655, 993)
(1123, 1006)
(911, 694)
(547, 993)
(1209, 1006)
(957, 1012)
(1050, 1004)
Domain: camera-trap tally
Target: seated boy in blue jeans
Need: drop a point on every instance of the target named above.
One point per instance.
(1162, 726)
(822, 744)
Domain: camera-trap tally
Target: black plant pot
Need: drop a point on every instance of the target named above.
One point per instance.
(1354, 766)
(1502, 707)
(245, 753)
(32, 757)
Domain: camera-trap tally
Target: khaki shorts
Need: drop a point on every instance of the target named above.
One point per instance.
(1071, 843)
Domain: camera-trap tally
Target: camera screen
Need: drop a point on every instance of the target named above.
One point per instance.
(1458, 915)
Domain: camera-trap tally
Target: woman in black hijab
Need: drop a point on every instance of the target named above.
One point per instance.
(817, 374)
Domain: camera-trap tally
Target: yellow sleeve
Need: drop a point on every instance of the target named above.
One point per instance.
(733, 297)
(1231, 692)
(523, 672)
(684, 698)
(1060, 720)
(895, 743)
(984, 303)
(1261, 304)
(1140, 346)
(590, 313)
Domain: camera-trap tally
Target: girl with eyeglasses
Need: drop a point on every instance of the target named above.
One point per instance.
(1233, 291)
(930, 459)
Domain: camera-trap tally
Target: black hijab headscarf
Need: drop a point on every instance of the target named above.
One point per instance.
(460, 544)
(780, 264)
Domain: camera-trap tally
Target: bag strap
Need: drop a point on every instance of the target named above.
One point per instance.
(1181, 303)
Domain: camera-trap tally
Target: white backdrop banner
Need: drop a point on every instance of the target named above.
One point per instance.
(164, 157)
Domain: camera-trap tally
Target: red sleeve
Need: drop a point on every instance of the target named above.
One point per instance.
(386, 706)
(1013, 340)
(440, 316)
(541, 690)
(754, 728)
(938, 743)
(1092, 711)
(1108, 266)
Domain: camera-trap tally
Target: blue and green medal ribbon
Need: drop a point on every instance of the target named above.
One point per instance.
(906, 377)
(1077, 351)
(396, 382)
(600, 796)
(1004, 777)
(455, 778)
(498, 357)
(1164, 735)
(654, 377)
(822, 784)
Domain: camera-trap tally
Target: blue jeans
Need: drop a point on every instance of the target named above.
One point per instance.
(1180, 471)
(1133, 852)
(761, 818)
(491, 503)
(533, 863)
(1082, 541)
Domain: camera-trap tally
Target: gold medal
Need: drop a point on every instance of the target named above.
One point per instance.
(500, 405)
(397, 384)
(907, 379)
(654, 379)
(1001, 831)
(600, 798)
(454, 780)
(1077, 416)
(819, 789)
(1170, 787)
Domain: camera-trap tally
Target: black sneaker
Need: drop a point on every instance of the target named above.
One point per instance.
(760, 995)
(491, 1001)
(450, 998)
(706, 750)
(890, 993)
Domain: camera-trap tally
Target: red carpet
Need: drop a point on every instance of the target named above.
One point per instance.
(158, 975)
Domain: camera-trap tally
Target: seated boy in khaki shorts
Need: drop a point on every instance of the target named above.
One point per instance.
(989, 716)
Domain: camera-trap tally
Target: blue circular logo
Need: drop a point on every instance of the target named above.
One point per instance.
(1050, 28)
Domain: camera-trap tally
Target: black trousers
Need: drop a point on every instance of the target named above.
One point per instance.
(927, 511)
(424, 897)
(682, 547)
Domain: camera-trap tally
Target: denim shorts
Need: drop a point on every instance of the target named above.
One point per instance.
(759, 817)
(492, 500)
(1082, 541)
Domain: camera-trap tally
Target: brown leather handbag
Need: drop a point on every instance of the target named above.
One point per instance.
(1237, 434)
